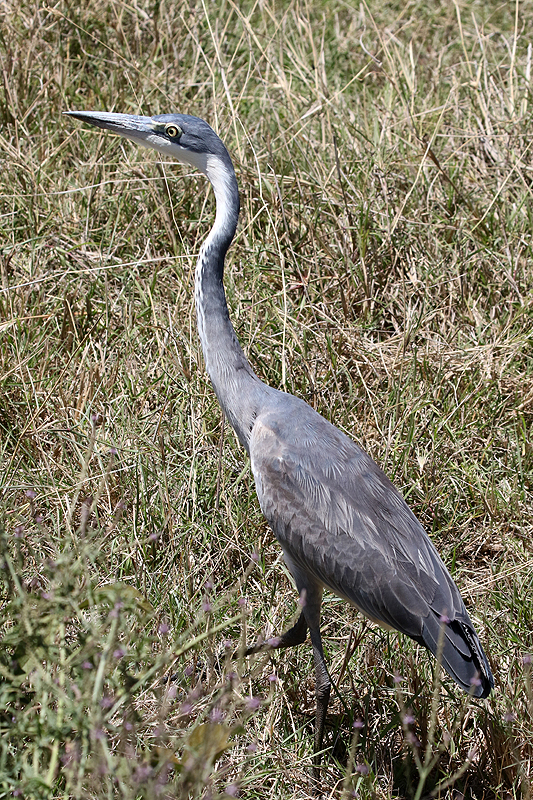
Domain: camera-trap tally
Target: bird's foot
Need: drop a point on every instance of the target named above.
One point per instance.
(291, 638)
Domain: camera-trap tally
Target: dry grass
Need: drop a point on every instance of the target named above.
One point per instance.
(382, 271)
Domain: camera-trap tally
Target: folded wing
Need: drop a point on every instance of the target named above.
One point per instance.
(340, 519)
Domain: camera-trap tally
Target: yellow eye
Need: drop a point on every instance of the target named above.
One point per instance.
(173, 131)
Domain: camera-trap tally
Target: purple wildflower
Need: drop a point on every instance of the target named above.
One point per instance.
(253, 703)
(143, 772)
(113, 614)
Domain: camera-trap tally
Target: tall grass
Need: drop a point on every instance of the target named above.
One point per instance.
(382, 270)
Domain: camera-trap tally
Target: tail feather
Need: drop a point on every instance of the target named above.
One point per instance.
(461, 655)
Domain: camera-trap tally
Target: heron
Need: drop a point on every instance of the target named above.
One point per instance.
(340, 522)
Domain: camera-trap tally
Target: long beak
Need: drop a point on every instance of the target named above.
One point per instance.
(133, 127)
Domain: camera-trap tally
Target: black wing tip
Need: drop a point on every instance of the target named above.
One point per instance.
(485, 687)
(483, 680)
(462, 655)
(471, 674)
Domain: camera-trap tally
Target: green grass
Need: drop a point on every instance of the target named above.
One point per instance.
(383, 271)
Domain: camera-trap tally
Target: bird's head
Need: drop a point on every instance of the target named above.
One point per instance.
(188, 139)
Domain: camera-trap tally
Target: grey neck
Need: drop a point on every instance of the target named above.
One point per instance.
(240, 392)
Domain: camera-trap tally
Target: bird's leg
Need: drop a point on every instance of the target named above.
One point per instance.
(313, 600)
(322, 692)
(294, 636)
(309, 618)
(310, 592)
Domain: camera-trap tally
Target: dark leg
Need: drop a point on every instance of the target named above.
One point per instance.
(310, 592)
(291, 638)
(322, 690)
(322, 680)
(295, 636)
(311, 596)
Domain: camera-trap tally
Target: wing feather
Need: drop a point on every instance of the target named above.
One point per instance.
(341, 520)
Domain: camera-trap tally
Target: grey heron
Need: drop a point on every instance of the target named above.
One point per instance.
(341, 523)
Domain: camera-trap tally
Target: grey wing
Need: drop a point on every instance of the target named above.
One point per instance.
(341, 520)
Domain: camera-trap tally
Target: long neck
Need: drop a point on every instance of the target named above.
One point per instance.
(238, 388)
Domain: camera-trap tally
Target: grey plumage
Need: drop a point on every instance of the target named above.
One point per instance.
(354, 533)
(341, 523)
